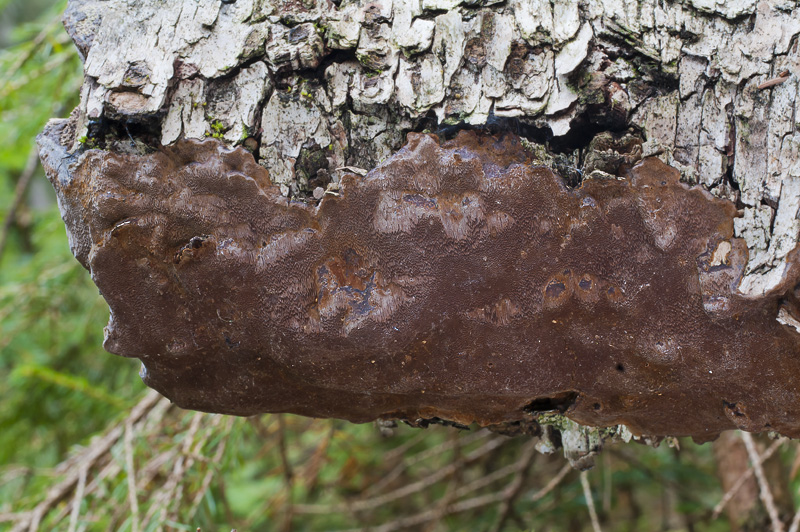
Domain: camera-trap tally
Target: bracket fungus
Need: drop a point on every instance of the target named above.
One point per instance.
(457, 280)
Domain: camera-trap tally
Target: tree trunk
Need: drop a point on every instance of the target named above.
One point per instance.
(317, 91)
(318, 86)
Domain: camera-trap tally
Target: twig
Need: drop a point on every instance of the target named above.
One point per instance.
(288, 475)
(429, 515)
(25, 79)
(731, 493)
(198, 498)
(131, 473)
(796, 519)
(468, 504)
(76, 502)
(550, 486)
(424, 455)
(431, 479)
(155, 416)
(309, 475)
(153, 468)
(606, 483)
(795, 522)
(400, 450)
(34, 45)
(515, 487)
(587, 494)
(112, 468)
(214, 422)
(795, 464)
(168, 489)
(406, 490)
(89, 456)
(763, 486)
(13, 472)
(19, 192)
(452, 484)
(771, 83)
(494, 476)
(13, 516)
(783, 76)
(167, 493)
(485, 480)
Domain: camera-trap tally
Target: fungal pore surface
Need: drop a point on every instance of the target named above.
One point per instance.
(457, 280)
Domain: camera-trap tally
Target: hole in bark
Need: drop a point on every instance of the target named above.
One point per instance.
(128, 130)
(196, 242)
(620, 368)
(734, 409)
(559, 402)
(423, 423)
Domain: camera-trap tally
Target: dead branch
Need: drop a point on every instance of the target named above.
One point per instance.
(764, 490)
(555, 481)
(405, 491)
(288, 475)
(31, 164)
(587, 494)
(515, 487)
(213, 470)
(452, 485)
(89, 457)
(742, 479)
(470, 504)
(166, 493)
(424, 455)
(131, 473)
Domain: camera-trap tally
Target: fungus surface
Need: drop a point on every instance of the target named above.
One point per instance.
(455, 281)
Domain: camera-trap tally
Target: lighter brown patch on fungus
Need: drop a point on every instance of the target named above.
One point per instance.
(456, 269)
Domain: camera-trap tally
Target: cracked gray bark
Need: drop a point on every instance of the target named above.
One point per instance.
(316, 88)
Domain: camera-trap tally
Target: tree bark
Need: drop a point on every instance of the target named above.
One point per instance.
(316, 90)
(314, 86)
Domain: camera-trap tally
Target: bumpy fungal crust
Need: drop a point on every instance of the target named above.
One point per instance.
(454, 281)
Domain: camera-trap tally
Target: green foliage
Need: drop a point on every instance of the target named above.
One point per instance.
(217, 129)
(58, 386)
(49, 310)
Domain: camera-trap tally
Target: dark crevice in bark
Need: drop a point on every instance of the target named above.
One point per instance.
(560, 402)
(141, 133)
(336, 56)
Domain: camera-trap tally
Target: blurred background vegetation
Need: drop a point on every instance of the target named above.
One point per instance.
(85, 446)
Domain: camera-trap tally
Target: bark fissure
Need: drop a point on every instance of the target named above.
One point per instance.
(380, 67)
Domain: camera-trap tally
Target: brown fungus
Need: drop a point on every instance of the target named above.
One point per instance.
(455, 281)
